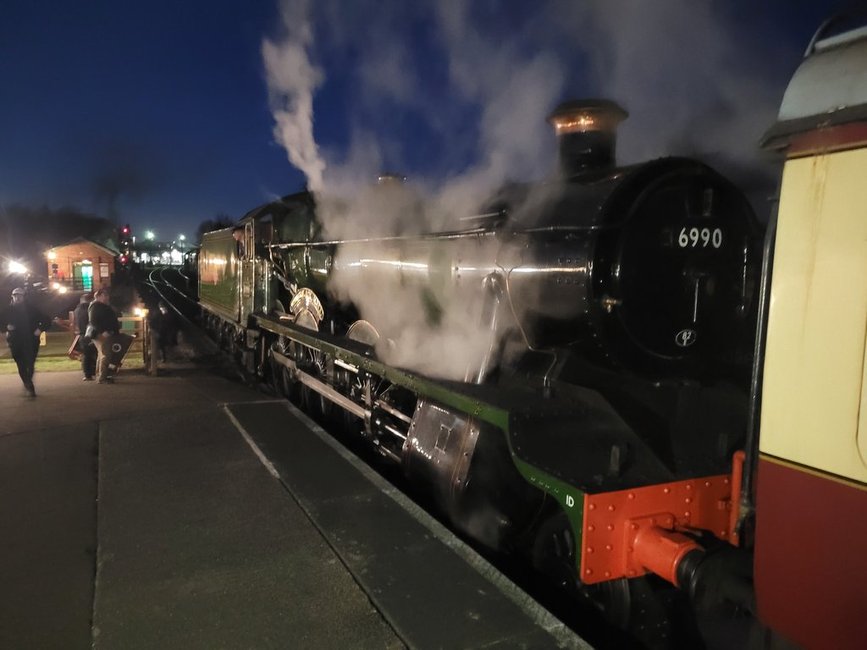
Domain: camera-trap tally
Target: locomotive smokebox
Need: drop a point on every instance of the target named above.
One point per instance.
(587, 130)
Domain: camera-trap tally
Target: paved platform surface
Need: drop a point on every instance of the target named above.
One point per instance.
(188, 511)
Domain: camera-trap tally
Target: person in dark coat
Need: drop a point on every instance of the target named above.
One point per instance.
(103, 320)
(24, 326)
(166, 328)
(85, 344)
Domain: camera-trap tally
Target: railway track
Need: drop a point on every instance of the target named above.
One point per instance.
(170, 287)
(159, 283)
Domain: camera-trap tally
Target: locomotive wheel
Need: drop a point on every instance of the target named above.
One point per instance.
(613, 599)
(274, 375)
(639, 609)
(356, 387)
(554, 556)
(282, 380)
(312, 403)
(290, 388)
(226, 341)
(553, 553)
(313, 363)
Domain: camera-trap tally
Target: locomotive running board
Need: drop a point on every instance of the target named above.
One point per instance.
(358, 355)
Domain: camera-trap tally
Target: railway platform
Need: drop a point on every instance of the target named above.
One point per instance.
(190, 511)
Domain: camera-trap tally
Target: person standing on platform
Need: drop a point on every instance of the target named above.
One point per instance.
(103, 321)
(24, 326)
(167, 330)
(85, 344)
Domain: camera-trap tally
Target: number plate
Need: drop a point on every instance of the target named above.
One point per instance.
(699, 237)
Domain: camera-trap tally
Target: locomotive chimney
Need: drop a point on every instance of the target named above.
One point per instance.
(587, 130)
(390, 179)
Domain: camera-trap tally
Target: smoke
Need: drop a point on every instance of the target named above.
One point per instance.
(483, 99)
(428, 323)
(455, 96)
(292, 80)
(694, 78)
(122, 170)
(429, 316)
(513, 91)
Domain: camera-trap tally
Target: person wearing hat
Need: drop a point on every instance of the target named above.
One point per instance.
(24, 325)
(85, 344)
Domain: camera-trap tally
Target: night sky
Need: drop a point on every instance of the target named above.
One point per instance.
(161, 114)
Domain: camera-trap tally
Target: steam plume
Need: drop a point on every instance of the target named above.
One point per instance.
(476, 100)
(292, 79)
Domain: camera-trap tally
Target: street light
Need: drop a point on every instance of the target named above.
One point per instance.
(17, 267)
(149, 235)
(182, 237)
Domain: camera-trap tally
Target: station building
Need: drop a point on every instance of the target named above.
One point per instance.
(82, 265)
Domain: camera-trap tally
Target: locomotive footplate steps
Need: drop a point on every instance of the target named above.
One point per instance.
(200, 545)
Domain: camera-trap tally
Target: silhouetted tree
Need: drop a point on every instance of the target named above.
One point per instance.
(218, 222)
(26, 232)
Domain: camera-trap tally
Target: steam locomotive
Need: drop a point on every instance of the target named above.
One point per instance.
(565, 371)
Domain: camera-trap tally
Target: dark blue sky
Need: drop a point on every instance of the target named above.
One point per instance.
(159, 112)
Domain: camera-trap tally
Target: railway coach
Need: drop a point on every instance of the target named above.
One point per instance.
(811, 508)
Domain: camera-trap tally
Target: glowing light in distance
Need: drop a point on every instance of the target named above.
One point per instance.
(17, 267)
(149, 235)
(51, 255)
